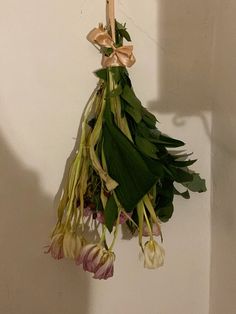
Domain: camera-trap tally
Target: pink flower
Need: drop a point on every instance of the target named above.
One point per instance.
(90, 257)
(56, 246)
(100, 217)
(105, 269)
(97, 260)
(87, 211)
(155, 230)
(123, 217)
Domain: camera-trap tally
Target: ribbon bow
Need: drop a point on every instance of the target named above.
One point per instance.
(121, 56)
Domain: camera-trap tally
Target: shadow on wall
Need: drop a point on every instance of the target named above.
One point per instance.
(197, 75)
(184, 61)
(32, 282)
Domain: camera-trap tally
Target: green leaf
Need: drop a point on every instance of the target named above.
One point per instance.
(134, 112)
(125, 34)
(184, 164)
(107, 51)
(120, 26)
(182, 156)
(169, 142)
(149, 118)
(102, 74)
(115, 92)
(146, 147)
(122, 31)
(165, 193)
(185, 194)
(180, 175)
(129, 96)
(110, 213)
(116, 73)
(165, 213)
(197, 184)
(125, 76)
(92, 123)
(152, 135)
(125, 165)
(155, 166)
(133, 105)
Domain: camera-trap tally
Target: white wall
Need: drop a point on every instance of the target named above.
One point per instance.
(45, 80)
(223, 275)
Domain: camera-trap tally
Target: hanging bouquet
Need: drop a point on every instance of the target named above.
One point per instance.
(124, 171)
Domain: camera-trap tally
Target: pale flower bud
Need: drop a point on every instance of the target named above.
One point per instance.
(153, 255)
(71, 245)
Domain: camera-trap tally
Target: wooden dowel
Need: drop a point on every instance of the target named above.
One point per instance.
(111, 17)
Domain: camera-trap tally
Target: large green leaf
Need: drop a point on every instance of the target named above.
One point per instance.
(146, 147)
(154, 165)
(125, 165)
(111, 213)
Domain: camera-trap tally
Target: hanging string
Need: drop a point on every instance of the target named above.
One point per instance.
(111, 18)
(120, 56)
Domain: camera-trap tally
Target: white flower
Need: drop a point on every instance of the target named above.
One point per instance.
(153, 255)
(71, 245)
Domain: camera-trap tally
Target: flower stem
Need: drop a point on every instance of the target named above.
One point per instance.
(103, 236)
(116, 231)
(148, 223)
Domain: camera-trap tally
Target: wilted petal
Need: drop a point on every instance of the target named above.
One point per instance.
(90, 257)
(153, 255)
(84, 253)
(88, 211)
(100, 217)
(93, 259)
(155, 230)
(71, 245)
(56, 246)
(106, 268)
(124, 217)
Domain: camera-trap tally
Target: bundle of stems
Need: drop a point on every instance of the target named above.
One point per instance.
(125, 170)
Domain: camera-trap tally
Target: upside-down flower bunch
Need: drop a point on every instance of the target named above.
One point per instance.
(124, 170)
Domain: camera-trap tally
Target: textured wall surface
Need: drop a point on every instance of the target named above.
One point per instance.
(223, 275)
(45, 81)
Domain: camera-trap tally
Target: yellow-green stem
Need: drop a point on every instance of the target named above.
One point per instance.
(148, 224)
(115, 232)
(140, 208)
(103, 236)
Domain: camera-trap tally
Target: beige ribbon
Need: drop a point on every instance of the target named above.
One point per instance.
(122, 56)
